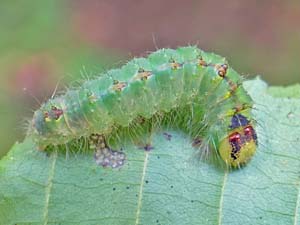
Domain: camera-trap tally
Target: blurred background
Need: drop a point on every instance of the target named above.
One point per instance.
(47, 44)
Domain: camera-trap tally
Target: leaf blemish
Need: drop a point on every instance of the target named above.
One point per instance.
(105, 156)
(167, 136)
(147, 147)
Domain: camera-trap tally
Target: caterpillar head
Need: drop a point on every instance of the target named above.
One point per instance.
(240, 145)
(48, 125)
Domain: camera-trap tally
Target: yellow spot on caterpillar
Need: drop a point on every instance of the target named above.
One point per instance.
(230, 113)
(227, 95)
(216, 80)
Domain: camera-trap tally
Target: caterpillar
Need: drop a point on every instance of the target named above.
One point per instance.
(197, 91)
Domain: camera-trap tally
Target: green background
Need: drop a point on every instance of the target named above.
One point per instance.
(50, 43)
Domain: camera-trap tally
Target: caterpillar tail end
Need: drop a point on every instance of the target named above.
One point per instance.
(239, 146)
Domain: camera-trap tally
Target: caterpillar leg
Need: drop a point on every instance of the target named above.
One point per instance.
(104, 155)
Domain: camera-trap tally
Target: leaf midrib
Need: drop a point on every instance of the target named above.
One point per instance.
(222, 197)
(140, 198)
(49, 186)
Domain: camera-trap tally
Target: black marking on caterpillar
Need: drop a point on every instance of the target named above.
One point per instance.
(196, 91)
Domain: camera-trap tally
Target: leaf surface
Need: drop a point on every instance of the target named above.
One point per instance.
(167, 185)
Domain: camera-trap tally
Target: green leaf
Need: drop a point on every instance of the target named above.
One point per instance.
(287, 92)
(167, 185)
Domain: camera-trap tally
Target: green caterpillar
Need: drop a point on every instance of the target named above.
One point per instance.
(194, 89)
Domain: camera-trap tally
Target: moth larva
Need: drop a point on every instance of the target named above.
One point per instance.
(201, 88)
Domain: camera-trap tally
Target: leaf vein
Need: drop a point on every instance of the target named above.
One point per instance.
(49, 186)
(222, 198)
(139, 205)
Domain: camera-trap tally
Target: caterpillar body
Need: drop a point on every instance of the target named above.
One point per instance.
(201, 88)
